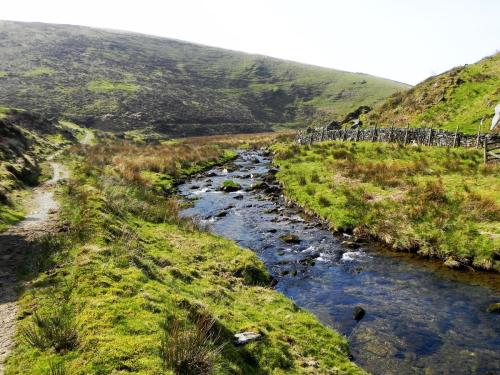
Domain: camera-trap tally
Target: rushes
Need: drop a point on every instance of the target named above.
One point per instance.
(56, 368)
(56, 330)
(189, 350)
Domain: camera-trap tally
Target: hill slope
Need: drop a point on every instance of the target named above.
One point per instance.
(119, 81)
(459, 97)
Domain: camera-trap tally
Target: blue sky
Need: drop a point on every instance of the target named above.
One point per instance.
(403, 40)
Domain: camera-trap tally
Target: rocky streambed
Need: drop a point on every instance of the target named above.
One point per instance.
(401, 315)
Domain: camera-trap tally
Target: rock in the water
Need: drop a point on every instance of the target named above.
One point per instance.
(290, 238)
(350, 244)
(239, 196)
(229, 186)
(273, 171)
(259, 186)
(452, 263)
(272, 189)
(222, 214)
(272, 230)
(194, 187)
(245, 337)
(358, 313)
(494, 308)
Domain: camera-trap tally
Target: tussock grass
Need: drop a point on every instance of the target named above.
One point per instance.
(55, 330)
(435, 201)
(189, 349)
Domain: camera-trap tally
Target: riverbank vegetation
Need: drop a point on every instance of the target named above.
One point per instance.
(140, 290)
(438, 202)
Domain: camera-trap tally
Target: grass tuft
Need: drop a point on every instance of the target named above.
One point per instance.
(55, 330)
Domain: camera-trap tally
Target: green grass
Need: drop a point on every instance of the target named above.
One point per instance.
(435, 201)
(461, 98)
(9, 216)
(128, 264)
(104, 86)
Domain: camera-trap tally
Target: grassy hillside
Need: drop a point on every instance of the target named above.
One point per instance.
(460, 97)
(437, 202)
(25, 140)
(141, 291)
(120, 81)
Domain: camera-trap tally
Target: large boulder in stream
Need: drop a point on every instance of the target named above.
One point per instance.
(229, 186)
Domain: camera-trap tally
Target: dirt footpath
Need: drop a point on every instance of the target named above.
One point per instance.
(13, 246)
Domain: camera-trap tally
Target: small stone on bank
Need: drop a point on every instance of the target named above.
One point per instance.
(246, 337)
(452, 263)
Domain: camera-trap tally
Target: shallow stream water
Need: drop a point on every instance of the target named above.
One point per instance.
(420, 319)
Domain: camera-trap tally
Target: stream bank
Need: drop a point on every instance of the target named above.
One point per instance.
(418, 319)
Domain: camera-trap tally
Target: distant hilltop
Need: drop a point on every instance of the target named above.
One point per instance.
(120, 81)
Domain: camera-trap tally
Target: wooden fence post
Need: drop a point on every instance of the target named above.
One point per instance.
(455, 138)
(406, 134)
(479, 131)
(429, 140)
(323, 134)
(357, 134)
(485, 150)
(374, 133)
(390, 134)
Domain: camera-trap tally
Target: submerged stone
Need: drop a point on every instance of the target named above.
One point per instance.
(290, 238)
(358, 313)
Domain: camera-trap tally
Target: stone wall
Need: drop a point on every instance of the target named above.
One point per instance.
(419, 136)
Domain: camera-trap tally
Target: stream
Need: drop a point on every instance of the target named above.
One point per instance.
(420, 318)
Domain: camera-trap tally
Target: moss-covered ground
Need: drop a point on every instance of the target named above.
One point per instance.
(125, 263)
(442, 203)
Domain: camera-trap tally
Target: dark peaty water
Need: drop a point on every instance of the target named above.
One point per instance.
(419, 320)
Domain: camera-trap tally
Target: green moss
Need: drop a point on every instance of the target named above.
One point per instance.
(3, 74)
(439, 202)
(128, 263)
